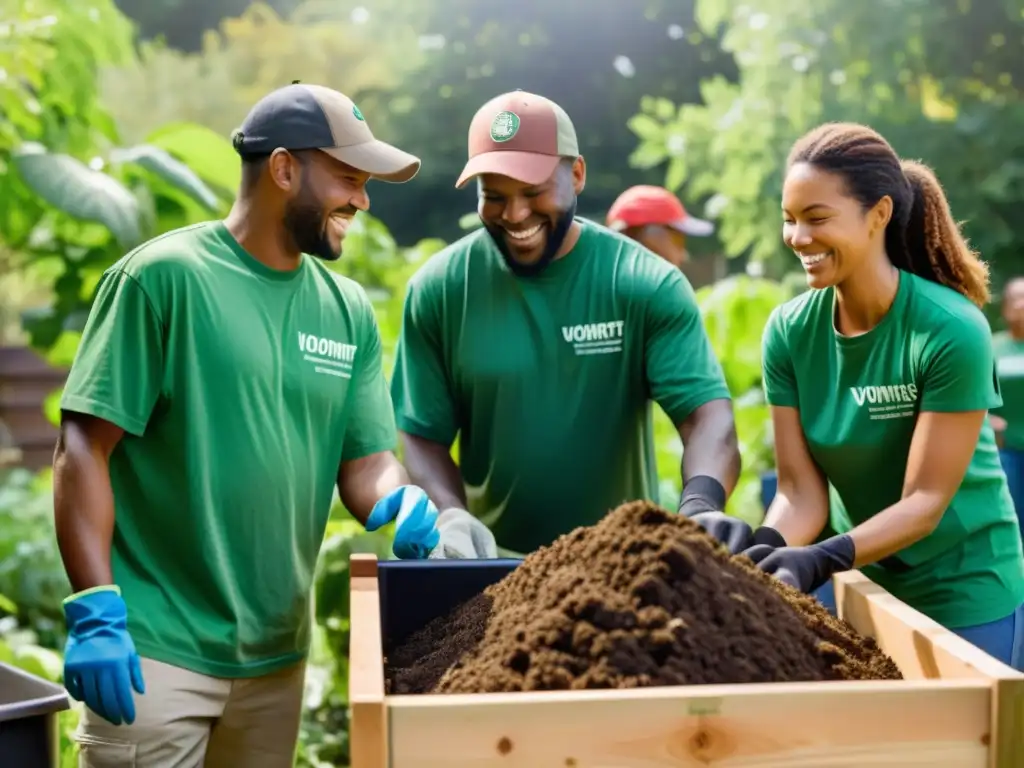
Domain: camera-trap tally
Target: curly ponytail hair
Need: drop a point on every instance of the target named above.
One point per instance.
(922, 237)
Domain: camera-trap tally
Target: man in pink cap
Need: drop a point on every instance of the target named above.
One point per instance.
(656, 219)
(540, 341)
(519, 141)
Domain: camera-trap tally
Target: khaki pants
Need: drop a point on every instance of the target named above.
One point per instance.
(188, 720)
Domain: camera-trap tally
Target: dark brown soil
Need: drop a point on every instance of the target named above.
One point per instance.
(643, 598)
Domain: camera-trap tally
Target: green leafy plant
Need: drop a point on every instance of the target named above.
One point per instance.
(32, 578)
(19, 647)
(941, 80)
(260, 49)
(96, 213)
(735, 312)
(32, 586)
(325, 725)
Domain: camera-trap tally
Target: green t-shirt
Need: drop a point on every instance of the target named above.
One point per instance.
(859, 398)
(240, 390)
(1009, 355)
(548, 381)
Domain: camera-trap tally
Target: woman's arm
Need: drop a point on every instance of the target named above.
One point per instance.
(800, 509)
(940, 452)
(999, 426)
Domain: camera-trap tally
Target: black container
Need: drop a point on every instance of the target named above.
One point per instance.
(29, 709)
(415, 592)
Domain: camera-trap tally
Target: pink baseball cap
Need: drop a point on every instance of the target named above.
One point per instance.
(520, 135)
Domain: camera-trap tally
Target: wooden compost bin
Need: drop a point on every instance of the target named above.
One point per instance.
(957, 708)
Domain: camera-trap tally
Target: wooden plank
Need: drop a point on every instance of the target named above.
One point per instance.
(1007, 717)
(29, 424)
(368, 728)
(26, 379)
(18, 362)
(930, 724)
(32, 459)
(922, 648)
(14, 397)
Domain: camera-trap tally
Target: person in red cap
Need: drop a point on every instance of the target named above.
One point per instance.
(656, 219)
(540, 340)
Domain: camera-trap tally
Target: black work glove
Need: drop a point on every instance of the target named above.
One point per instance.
(702, 501)
(731, 531)
(767, 537)
(806, 568)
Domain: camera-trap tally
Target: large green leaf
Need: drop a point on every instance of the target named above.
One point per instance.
(735, 312)
(51, 406)
(208, 153)
(470, 221)
(646, 127)
(160, 162)
(39, 661)
(7, 605)
(72, 187)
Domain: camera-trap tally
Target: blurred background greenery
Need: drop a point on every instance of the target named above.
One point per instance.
(114, 120)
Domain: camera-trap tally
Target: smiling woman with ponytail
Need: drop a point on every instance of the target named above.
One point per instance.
(879, 381)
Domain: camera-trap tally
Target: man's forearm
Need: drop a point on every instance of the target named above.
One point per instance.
(710, 447)
(83, 505)
(432, 468)
(363, 482)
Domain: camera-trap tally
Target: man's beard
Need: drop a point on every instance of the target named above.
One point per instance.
(305, 225)
(555, 239)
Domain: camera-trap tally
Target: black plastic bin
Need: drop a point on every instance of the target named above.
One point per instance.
(415, 592)
(29, 709)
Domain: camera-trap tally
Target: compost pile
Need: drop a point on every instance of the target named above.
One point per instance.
(643, 598)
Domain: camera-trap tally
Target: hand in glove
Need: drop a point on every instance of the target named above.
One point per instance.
(764, 541)
(101, 666)
(415, 518)
(463, 537)
(806, 568)
(731, 531)
(766, 537)
(702, 501)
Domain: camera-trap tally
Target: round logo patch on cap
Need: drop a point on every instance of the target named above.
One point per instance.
(357, 113)
(504, 126)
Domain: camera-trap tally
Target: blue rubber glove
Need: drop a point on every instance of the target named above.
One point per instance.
(415, 518)
(101, 666)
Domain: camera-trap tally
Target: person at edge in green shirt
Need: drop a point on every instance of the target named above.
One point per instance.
(1008, 419)
(540, 340)
(879, 380)
(226, 383)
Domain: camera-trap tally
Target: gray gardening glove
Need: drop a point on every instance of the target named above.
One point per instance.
(463, 537)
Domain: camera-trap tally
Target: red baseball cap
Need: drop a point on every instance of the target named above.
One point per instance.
(644, 204)
(520, 135)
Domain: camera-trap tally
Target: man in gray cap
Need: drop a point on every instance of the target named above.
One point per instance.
(226, 382)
